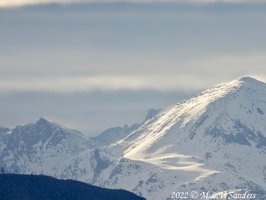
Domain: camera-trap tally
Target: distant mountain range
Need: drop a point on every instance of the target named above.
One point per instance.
(215, 141)
(37, 187)
(115, 134)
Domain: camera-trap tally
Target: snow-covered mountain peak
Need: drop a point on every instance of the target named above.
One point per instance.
(40, 131)
(229, 89)
(35, 139)
(112, 135)
(248, 83)
(222, 124)
(207, 143)
(242, 101)
(236, 98)
(42, 121)
(44, 130)
(250, 80)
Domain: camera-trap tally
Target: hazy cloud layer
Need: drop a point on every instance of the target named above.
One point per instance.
(90, 112)
(8, 3)
(162, 75)
(92, 67)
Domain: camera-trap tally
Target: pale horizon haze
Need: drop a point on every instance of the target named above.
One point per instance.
(91, 65)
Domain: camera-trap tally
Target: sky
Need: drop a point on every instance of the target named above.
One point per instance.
(91, 64)
(12, 3)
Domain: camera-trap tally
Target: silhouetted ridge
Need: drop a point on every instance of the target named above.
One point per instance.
(33, 187)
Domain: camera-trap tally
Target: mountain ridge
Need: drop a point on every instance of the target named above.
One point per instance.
(32, 187)
(207, 143)
(114, 134)
(224, 123)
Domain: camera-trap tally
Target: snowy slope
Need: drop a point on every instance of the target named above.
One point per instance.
(223, 126)
(36, 142)
(212, 142)
(47, 148)
(112, 135)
